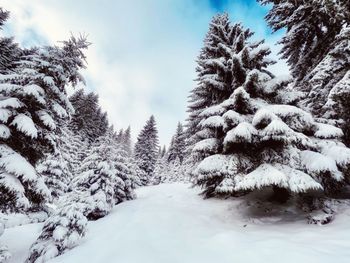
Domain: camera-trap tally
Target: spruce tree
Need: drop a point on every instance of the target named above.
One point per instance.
(9, 50)
(88, 118)
(126, 141)
(250, 141)
(55, 172)
(316, 46)
(177, 146)
(33, 102)
(146, 149)
(105, 175)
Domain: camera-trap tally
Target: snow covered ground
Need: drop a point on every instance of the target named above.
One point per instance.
(170, 223)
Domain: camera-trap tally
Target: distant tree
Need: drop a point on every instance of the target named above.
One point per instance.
(88, 118)
(177, 146)
(146, 149)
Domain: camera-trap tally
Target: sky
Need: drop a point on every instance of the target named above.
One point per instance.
(143, 52)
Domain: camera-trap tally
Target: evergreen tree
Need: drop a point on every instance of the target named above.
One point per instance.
(88, 118)
(33, 103)
(161, 169)
(105, 176)
(146, 149)
(9, 51)
(249, 141)
(61, 231)
(55, 171)
(217, 70)
(316, 46)
(177, 146)
(126, 141)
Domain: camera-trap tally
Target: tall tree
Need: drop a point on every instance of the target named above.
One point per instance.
(146, 149)
(33, 102)
(88, 118)
(316, 46)
(9, 50)
(177, 146)
(251, 141)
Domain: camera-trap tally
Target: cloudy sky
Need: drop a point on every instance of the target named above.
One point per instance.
(142, 57)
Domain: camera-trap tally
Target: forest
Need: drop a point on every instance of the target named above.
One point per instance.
(271, 146)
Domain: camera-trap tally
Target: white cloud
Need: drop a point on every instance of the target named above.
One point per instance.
(142, 59)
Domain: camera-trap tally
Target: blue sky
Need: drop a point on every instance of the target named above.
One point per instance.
(142, 60)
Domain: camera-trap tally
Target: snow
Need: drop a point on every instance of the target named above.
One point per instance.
(279, 175)
(59, 110)
(213, 164)
(206, 145)
(340, 154)
(213, 110)
(25, 124)
(4, 131)
(14, 163)
(275, 128)
(172, 223)
(19, 239)
(327, 131)
(316, 162)
(35, 91)
(10, 103)
(264, 175)
(212, 122)
(242, 132)
(46, 119)
(4, 115)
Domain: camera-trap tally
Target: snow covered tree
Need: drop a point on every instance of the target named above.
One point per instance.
(55, 171)
(4, 254)
(73, 148)
(211, 72)
(311, 28)
(126, 141)
(249, 141)
(177, 146)
(160, 170)
(9, 51)
(33, 102)
(88, 118)
(146, 149)
(316, 46)
(61, 231)
(105, 176)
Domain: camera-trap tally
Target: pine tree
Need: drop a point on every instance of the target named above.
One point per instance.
(9, 51)
(55, 172)
(161, 170)
(249, 141)
(105, 176)
(317, 50)
(146, 149)
(126, 141)
(61, 231)
(177, 146)
(88, 118)
(33, 103)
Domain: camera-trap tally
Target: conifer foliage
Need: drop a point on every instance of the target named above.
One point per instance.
(177, 146)
(146, 150)
(33, 102)
(249, 141)
(317, 48)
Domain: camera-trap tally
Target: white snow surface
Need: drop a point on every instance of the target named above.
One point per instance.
(172, 223)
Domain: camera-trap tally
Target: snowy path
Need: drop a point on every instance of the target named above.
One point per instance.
(172, 224)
